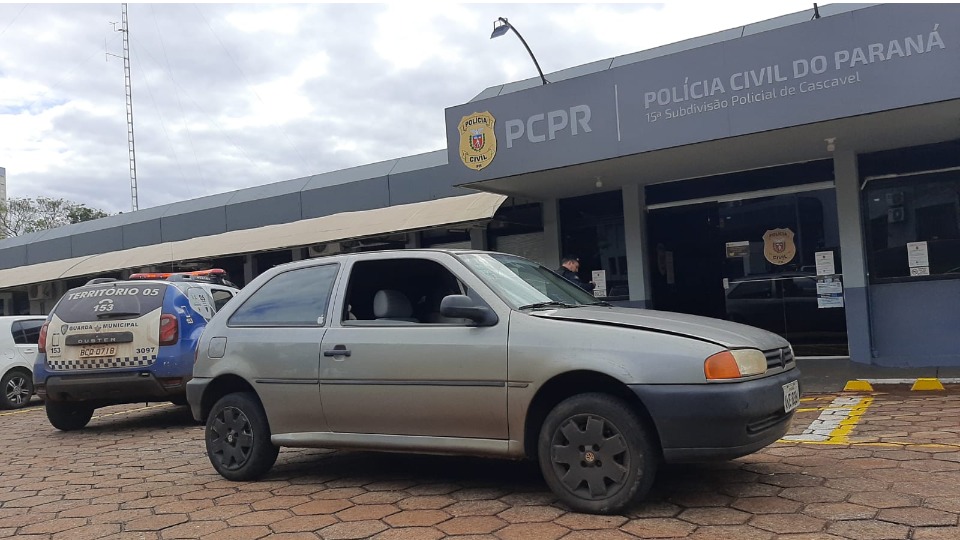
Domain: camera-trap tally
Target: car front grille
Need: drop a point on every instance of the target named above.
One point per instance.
(779, 358)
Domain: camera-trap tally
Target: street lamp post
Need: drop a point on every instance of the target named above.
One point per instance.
(501, 26)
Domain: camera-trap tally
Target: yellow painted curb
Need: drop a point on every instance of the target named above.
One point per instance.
(857, 386)
(927, 384)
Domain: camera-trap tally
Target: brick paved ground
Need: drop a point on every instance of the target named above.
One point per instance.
(141, 473)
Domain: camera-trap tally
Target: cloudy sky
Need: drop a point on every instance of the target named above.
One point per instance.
(228, 96)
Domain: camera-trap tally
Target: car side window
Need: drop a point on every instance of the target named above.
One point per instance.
(26, 332)
(18, 337)
(800, 288)
(292, 298)
(751, 290)
(221, 297)
(399, 292)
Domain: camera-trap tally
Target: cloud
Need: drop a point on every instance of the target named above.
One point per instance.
(228, 96)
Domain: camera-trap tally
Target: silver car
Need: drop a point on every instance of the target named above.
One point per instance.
(485, 354)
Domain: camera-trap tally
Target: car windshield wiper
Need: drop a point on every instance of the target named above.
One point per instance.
(550, 304)
(600, 303)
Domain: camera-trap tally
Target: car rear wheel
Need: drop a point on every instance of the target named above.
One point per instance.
(238, 438)
(595, 454)
(68, 416)
(17, 387)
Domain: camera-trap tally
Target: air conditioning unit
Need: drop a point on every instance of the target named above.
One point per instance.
(40, 291)
(321, 250)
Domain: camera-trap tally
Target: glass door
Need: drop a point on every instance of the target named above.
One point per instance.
(772, 262)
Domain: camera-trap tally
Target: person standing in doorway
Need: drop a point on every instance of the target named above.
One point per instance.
(569, 266)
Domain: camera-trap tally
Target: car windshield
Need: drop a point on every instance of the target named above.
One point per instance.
(525, 284)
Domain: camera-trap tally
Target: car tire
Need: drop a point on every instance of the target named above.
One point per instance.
(596, 454)
(238, 438)
(17, 386)
(68, 416)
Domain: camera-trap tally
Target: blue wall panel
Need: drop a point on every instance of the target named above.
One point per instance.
(362, 195)
(101, 241)
(266, 211)
(424, 185)
(916, 323)
(12, 257)
(49, 250)
(142, 233)
(193, 224)
(857, 312)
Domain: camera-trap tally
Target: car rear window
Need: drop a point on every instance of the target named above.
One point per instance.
(110, 301)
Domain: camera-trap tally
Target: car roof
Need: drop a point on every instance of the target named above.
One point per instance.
(339, 257)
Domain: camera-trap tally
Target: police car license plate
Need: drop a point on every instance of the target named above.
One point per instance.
(791, 396)
(98, 351)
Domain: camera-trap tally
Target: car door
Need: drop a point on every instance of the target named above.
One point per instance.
(400, 377)
(26, 335)
(274, 338)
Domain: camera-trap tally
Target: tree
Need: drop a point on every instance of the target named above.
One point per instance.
(26, 215)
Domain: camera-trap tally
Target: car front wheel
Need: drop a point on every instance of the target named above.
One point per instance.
(68, 416)
(238, 438)
(17, 388)
(595, 454)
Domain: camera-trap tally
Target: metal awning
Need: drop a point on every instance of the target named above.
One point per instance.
(336, 227)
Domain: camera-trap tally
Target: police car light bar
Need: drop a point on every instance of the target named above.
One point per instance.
(211, 275)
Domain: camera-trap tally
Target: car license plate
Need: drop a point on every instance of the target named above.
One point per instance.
(791, 396)
(97, 352)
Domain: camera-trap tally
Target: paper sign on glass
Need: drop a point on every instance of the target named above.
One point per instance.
(917, 254)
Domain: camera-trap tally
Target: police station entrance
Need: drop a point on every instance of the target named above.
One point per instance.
(768, 258)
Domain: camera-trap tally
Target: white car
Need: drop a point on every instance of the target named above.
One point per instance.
(18, 350)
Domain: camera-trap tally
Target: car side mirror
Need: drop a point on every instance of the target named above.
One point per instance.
(458, 306)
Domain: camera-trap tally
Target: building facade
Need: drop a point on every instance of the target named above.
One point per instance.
(798, 174)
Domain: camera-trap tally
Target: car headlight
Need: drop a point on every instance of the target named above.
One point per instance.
(735, 364)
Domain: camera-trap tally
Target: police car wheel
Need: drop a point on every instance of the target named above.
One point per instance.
(68, 416)
(238, 438)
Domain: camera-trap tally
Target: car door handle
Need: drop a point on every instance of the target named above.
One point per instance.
(339, 350)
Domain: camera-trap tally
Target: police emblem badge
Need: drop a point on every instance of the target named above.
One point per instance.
(478, 144)
(778, 246)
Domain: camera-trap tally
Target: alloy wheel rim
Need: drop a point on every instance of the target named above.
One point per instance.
(17, 392)
(590, 456)
(231, 438)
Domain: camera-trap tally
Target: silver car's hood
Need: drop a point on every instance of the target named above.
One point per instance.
(725, 333)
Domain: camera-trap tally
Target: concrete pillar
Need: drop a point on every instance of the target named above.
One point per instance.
(856, 298)
(551, 233)
(413, 240)
(249, 268)
(635, 236)
(478, 238)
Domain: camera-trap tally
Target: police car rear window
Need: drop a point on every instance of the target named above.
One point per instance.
(117, 301)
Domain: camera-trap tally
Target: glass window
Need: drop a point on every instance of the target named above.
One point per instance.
(221, 297)
(293, 298)
(26, 332)
(805, 287)
(121, 300)
(750, 289)
(418, 286)
(913, 226)
(30, 330)
(521, 282)
(592, 229)
(17, 330)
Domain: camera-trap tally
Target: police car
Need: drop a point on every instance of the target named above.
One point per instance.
(124, 341)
